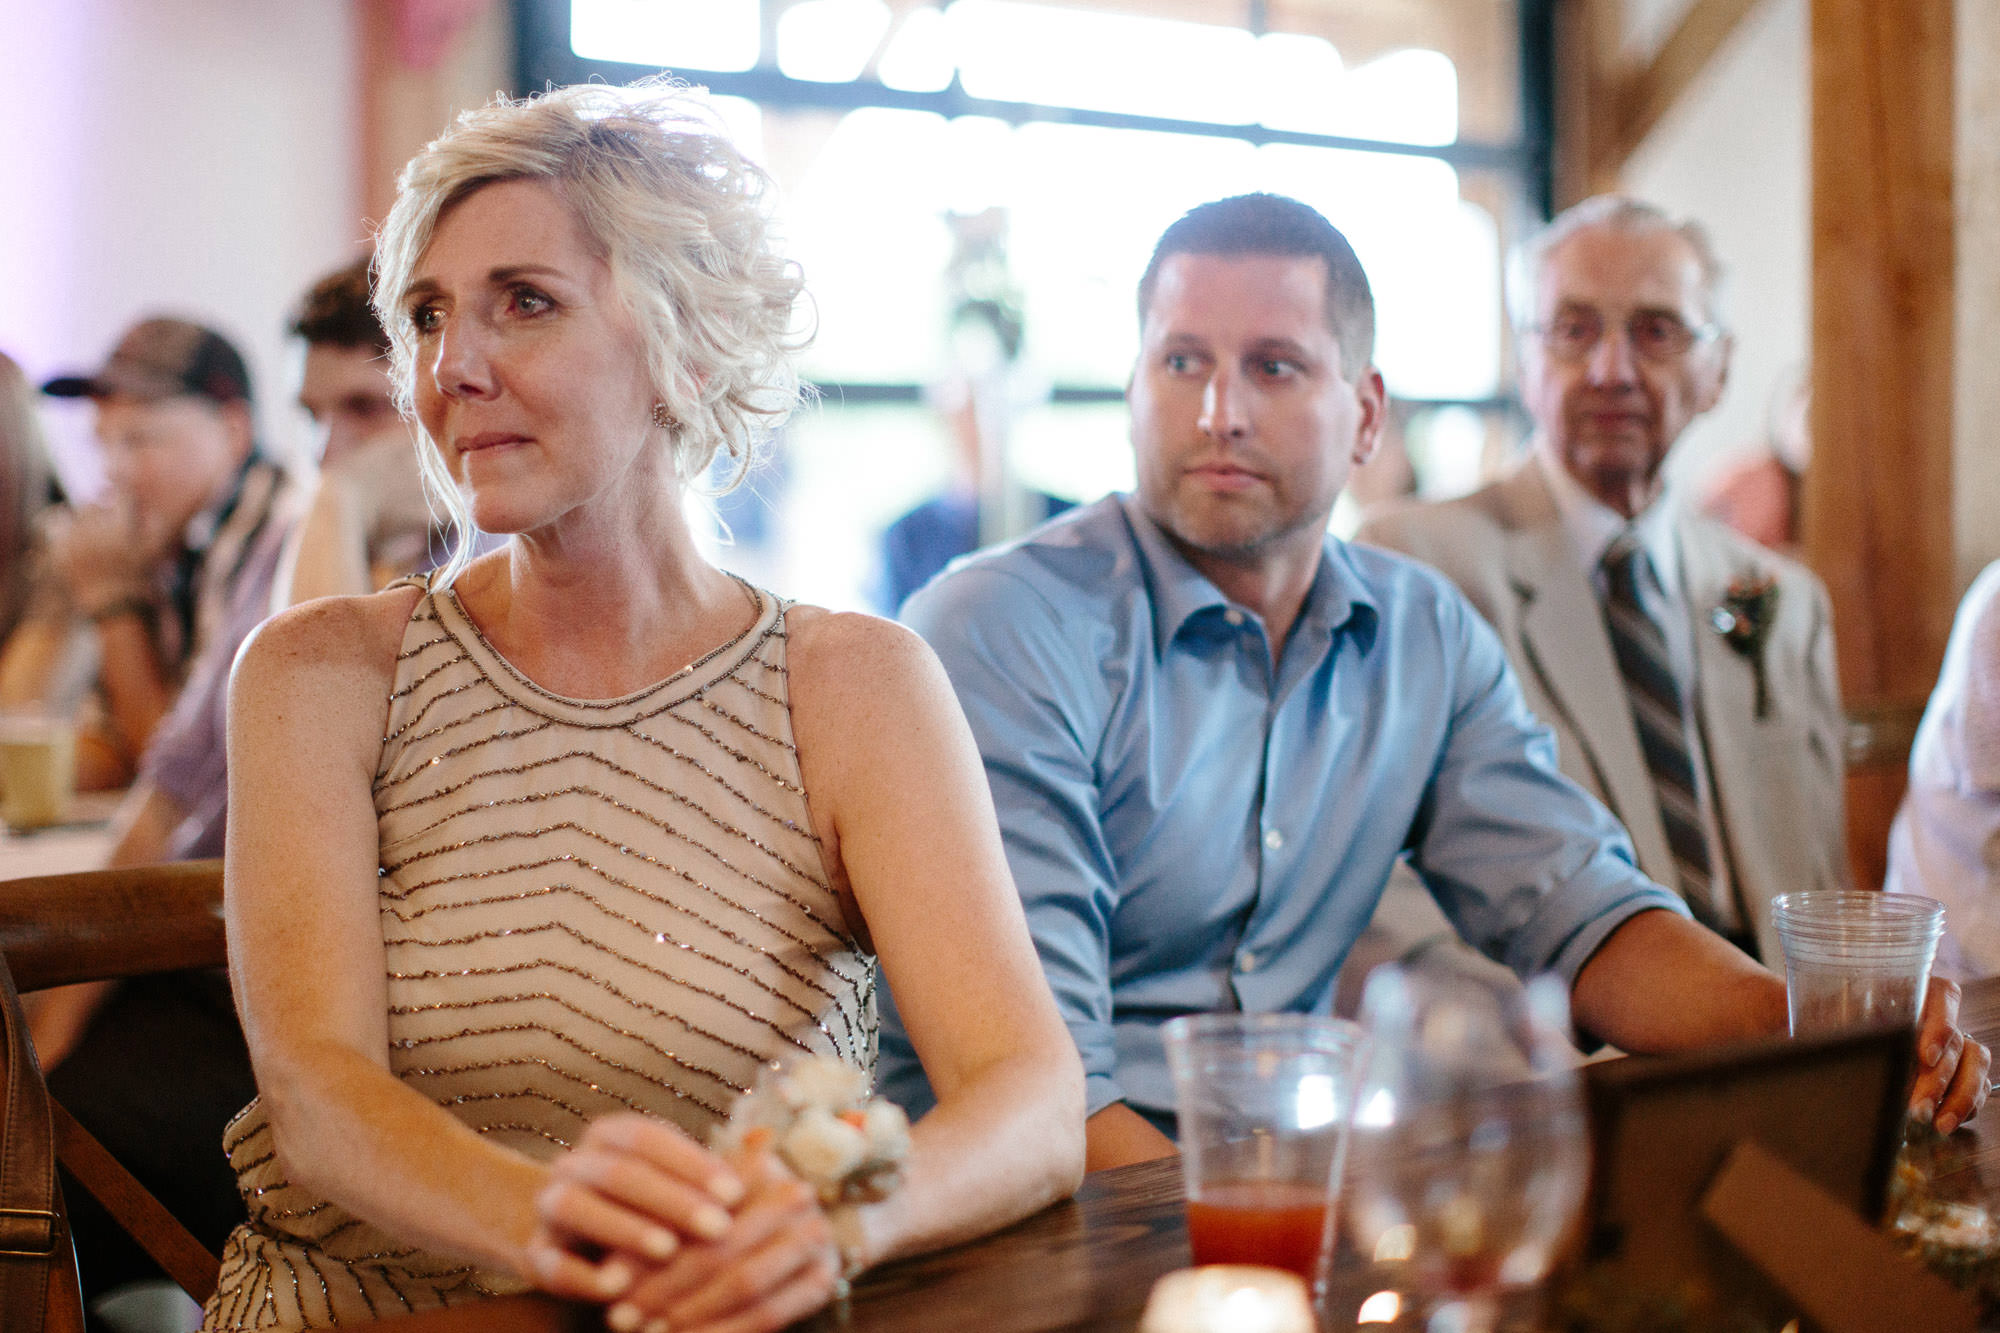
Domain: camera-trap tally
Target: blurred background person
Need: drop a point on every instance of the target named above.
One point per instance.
(1758, 494)
(127, 591)
(155, 1067)
(1686, 674)
(27, 488)
(366, 519)
(983, 501)
(1945, 843)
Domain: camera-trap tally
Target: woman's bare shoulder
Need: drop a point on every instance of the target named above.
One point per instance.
(834, 651)
(331, 641)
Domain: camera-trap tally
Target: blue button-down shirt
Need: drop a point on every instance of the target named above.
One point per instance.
(1193, 826)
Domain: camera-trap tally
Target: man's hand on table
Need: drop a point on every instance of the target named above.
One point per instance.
(1952, 1068)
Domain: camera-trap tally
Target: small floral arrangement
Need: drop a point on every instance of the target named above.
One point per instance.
(1748, 609)
(816, 1114)
(1937, 1219)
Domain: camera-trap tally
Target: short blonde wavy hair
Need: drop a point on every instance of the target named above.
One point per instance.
(680, 216)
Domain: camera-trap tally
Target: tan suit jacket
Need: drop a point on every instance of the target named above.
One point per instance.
(1776, 779)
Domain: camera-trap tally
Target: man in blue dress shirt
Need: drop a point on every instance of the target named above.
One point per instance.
(1211, 729)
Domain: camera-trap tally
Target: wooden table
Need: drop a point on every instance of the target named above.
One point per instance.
(1978, 1173)
(1086, 1265)
(80, 844)
(1082, 1265)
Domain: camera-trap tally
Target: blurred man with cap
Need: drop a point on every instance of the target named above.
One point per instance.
(130, 588)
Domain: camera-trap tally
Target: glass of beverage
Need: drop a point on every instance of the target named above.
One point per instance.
(1469, 1152)
(1855, 958)
(37, 769)
(1263, 1101)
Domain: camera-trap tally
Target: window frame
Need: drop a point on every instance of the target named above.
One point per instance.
(544, 58)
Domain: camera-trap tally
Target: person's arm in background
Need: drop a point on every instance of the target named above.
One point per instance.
(50, 660)
(1033, 694)
(1643, 976)
(104, 555)
(1979, 702)
(1662, 983)
(371, 493)
(137, 695)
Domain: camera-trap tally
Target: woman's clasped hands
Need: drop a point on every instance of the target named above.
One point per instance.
(669, 1235)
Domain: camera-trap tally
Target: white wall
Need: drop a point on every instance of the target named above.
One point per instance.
(1735, 153)
(187, 156)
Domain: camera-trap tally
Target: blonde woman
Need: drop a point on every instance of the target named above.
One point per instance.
(532, 867)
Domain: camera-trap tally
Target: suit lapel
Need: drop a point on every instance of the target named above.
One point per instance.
(1725, 695)
(1563, 641)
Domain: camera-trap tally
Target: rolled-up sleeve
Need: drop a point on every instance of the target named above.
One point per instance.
(1532, 870)
(1036, 706)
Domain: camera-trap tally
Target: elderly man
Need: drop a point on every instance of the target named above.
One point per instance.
(1211, 729)
(1687, 673)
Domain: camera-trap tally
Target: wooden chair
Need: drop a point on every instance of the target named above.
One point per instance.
(101, 925)
(56, 930)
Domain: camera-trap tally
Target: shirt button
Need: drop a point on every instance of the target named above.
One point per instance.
(1233, 616)
(1273, 839)
(1247, 961)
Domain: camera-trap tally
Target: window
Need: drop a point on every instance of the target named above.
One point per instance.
(973, 187)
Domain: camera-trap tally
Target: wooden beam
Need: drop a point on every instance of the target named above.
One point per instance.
(1586, 161)
(1878, 493)
(1646, 95)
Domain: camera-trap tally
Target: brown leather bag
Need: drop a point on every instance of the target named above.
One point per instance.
(38, 1284)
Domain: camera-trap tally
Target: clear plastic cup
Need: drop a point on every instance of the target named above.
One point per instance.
(1855, 958)
(1264, 1102)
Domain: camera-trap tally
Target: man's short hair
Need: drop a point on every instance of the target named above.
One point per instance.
(1613, 212)
(336, 312)
(1271, 224)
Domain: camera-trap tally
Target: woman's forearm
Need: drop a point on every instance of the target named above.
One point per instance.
(1005, 1144)
(350, 1131)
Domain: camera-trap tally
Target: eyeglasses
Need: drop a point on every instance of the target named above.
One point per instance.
(1655, 336)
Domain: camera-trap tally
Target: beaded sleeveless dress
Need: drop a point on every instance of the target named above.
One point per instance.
(588, 906)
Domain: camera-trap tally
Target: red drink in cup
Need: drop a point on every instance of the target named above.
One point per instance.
(1263, 1102)
(1278, 1226)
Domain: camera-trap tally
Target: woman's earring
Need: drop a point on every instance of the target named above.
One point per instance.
(664, 419)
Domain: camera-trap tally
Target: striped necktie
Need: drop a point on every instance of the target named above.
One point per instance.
(1657, 709)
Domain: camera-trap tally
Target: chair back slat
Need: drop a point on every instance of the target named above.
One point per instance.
(159, 1233)
(100, 924)
(56, 930)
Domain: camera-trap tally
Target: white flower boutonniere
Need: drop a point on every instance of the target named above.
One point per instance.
(1748, 609)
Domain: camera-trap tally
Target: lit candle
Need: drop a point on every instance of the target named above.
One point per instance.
(1228, 1298)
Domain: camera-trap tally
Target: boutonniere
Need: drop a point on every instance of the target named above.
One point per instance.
(1748, 609)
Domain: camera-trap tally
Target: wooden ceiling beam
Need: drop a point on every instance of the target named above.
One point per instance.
(1650, 93)
(1625, 101)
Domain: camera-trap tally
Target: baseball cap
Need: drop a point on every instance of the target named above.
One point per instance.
(164, 358)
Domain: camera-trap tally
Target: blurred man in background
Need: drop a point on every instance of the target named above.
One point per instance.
(1687, 673)
(156, 1067)
(130, 590)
